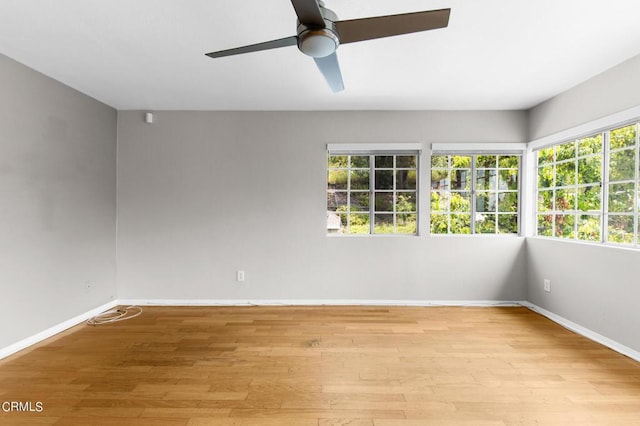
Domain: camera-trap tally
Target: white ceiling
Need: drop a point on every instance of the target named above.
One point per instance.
(149, 54)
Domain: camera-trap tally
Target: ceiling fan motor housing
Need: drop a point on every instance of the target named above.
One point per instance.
(319, 42)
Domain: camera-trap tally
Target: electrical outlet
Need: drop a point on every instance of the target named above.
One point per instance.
(547, 285)
(240, 276)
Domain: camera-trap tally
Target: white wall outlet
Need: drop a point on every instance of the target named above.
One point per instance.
(547, 285)
(240, 276)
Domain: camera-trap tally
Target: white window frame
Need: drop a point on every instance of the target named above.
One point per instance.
(605, 181)
(474, 150)
(373, 150)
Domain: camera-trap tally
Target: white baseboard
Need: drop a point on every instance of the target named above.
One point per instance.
(52, 331)
(590, 334)
(314, 302)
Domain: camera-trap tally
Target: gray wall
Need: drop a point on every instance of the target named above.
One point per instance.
(594, 286)
(57, 202)
(202, 194)
(614, 90)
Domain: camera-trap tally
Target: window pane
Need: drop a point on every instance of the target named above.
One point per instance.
(508, 180)
(495, 180)
(589, 198)
(545, 201)
(508, 202)
(383, 224)
(439, 201)
(564, 226)
(566, 151)
(407, 223)
(359, 223)
(384, 201)
(439, 161)
(461, 179)
(508, 161)
(337, 161)
(590, 145)
(460, 202)
(384, 161)
(360, 179)
(460, 223)
(406, 202)
(486, 161)
(360, 161)
(620, 229)
(590, 169)
(565, 173)
(406, 161)
(508, 224)
(359, 201)
(589, 228)
(336, 222)
(461, 162)
(337, 179)
(545, 177)
(485, 201)
(439, 179)
(486, 179)
(623, 137)
(545, 223)
(545, 156)
(621, 197)
(336, 200)
(565, 199)
(485, 223)
(439, 224)
(384, 179)
(622, 165)
(352, 202)
(406, 179)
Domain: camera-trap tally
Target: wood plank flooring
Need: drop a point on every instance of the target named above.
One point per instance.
(321, 366)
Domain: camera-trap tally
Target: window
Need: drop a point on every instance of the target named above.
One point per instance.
(569, 189)
(622, 185)
(372, 193)
(588, 188)
(478, 186)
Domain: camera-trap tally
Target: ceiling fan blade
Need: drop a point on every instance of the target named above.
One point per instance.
(330, 69)
(308, 12)
(354, 30)
(273, 44)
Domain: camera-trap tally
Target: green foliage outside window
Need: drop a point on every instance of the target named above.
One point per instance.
(571, 187)
(372, 194)
(482, 187)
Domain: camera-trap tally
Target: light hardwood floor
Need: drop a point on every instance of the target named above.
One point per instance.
(382, 366)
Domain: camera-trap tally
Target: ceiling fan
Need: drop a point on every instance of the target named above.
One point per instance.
(320, 33)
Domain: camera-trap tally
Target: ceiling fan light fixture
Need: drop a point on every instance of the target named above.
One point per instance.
(318, 43)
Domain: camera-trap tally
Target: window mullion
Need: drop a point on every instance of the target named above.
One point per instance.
(394, 194)
(449, 191)
(348, 194)
(574, 187)
(636, 194)
(472, 218)
(554, 211)
(519, 189)
(604, 192)
(372, 193)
